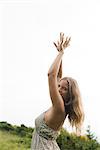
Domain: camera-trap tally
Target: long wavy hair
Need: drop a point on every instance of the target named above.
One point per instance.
(73, 105)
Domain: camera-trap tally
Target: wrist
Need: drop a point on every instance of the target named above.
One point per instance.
(61, 52)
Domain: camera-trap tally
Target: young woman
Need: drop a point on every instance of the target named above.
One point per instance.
(66, 102)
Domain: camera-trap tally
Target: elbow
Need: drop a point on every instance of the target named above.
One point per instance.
(52, 74)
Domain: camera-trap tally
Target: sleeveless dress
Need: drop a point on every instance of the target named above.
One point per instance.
(44, 138)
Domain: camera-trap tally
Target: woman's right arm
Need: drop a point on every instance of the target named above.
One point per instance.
(55, 71)
(53, 84)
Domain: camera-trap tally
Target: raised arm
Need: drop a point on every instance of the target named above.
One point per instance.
(53, 83)
(59, 76)
(52, 77)
(53, 70)
(60, 45)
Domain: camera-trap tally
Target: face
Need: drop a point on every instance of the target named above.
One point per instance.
(63, 88)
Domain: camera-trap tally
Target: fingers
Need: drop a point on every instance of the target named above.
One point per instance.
(69, 39)
(63, 43)
(61, 37)
(66, 43)
(55, 44)
(58, 43)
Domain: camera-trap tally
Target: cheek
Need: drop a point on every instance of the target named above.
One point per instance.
(65, 93)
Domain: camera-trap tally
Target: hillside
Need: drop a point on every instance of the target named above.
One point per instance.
(9, 141)
(19, 138)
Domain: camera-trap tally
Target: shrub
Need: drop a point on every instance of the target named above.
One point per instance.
(68, 141)
(6, 126)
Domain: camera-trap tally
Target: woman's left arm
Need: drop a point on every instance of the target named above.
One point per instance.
(60, 45)
(59, 76)
(53, 70)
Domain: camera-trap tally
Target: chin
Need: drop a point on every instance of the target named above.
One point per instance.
(62, 96)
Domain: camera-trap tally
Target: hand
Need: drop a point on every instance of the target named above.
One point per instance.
(62, 43)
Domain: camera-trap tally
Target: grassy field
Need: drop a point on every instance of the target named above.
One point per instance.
(14, 137)
(10, 141)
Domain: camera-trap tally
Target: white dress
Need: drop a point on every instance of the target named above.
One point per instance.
(43, 138)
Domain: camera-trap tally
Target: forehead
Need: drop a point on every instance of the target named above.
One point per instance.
(63, 82)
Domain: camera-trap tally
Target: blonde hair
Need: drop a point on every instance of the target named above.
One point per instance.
(73, 105)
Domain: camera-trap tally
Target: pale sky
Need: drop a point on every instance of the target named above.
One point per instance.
(27, 31)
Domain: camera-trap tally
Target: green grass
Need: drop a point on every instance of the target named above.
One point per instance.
(19, 138)
(9, 141)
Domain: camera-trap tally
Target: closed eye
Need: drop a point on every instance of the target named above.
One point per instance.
(64, 88)
(58, 85)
